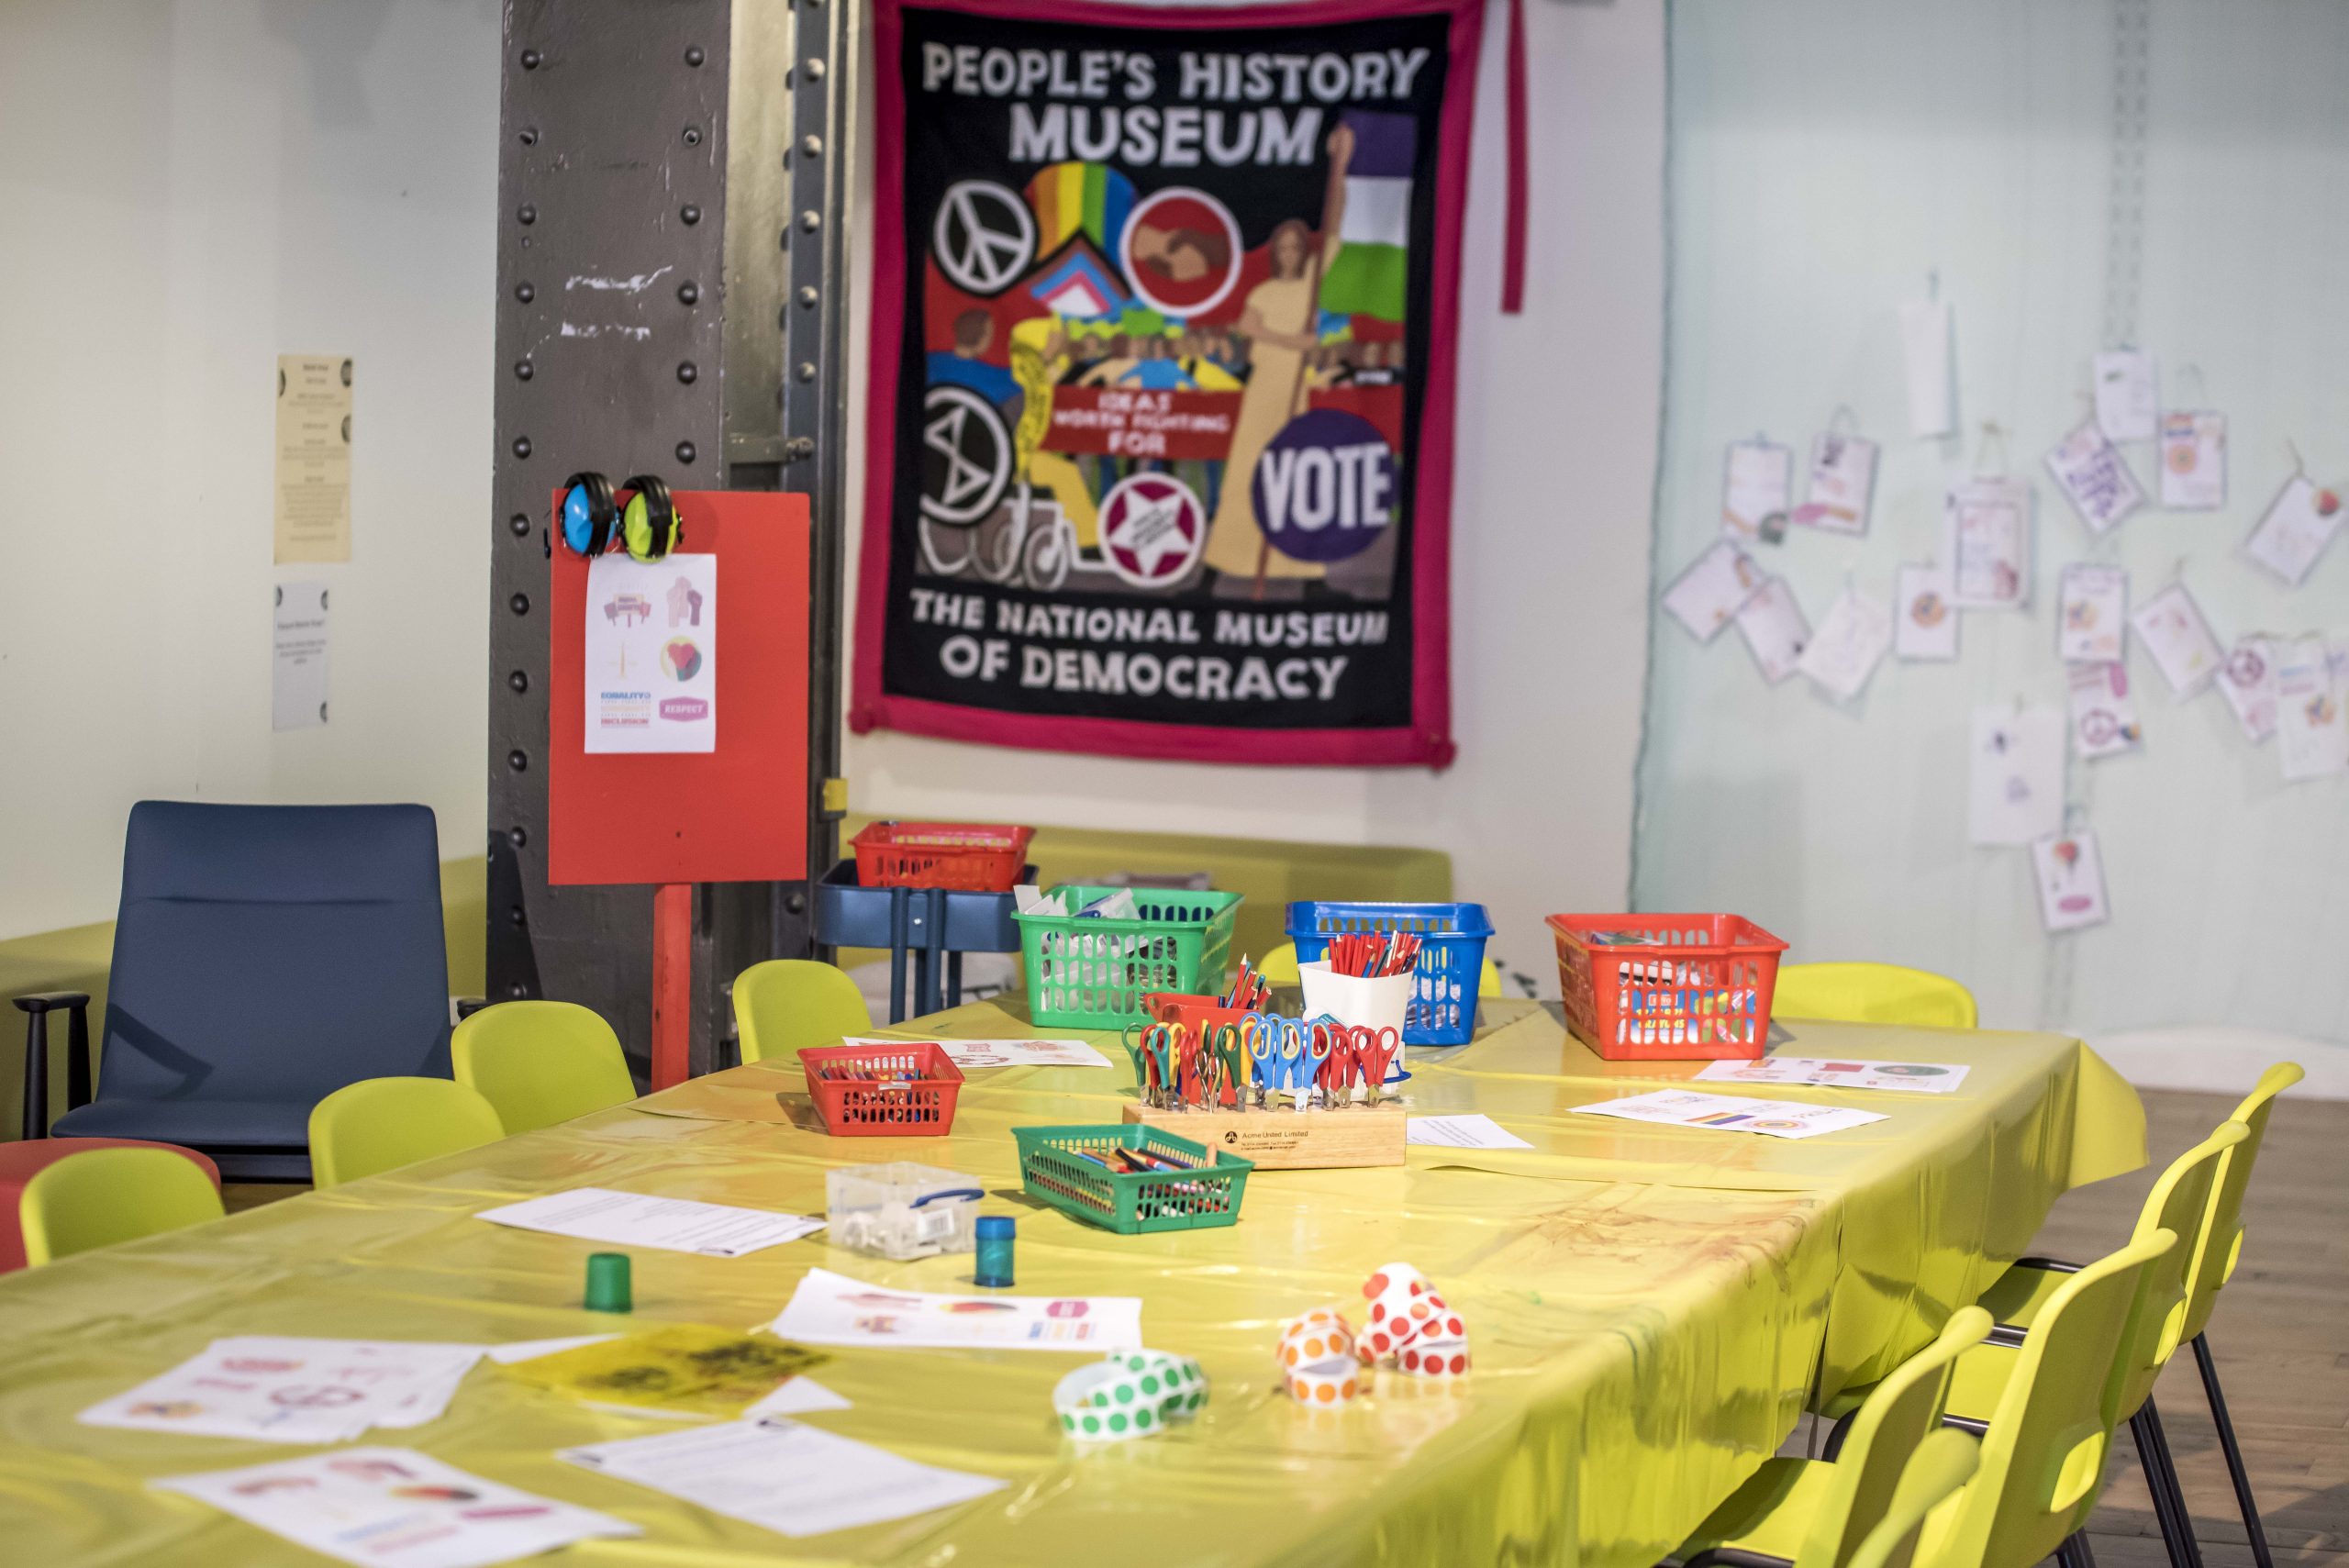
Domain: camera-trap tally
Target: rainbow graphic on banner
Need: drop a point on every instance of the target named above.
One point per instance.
(1070, 198)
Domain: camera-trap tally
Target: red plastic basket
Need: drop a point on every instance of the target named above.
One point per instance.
(1196, 1013)
(1667, 987)
(921, 1106)
(966, 857)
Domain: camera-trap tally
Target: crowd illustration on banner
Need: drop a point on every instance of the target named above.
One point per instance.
(2291, 688)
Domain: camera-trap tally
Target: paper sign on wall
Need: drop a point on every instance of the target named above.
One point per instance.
(2247, 680)
(2092, 626)
(1842, 483)
(2070, 874)
(1987, 542)
(652, 672)
(2127, 395)
(1708, 594)
(1848, 645)
(1925, 622)
(2016, 782)
(298, 657)
(2194, 461)
(2090, 472)
(1757, 491)
(2104, 715)
(313, 507)
(1774, 630)
(2170, 625)
(1925, 356)
(2312, 735)
(2299, 523)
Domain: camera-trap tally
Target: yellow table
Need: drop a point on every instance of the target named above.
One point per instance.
(1649, 1310)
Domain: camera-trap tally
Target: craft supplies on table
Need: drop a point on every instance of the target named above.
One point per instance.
(1448, 966)
(610, 1285)
(1732, 1112)
(902, 1210)
(1668, 987)
(1408, 1328)
(668, 1224)
(393, 1507)
(1226, 1086)
(882, 1088)
(933, 926)
(781, 1475)
(287, 1389)
(1087, 970)
(1132, 1180)
(966, 857)
(1135, 1394)
(998, 1237)
(689, 1369)
(1843, 1072)
(833, 1309)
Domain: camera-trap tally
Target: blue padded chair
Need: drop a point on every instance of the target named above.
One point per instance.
(265, 956)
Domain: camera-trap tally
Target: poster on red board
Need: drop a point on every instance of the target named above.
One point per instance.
(1160, 431)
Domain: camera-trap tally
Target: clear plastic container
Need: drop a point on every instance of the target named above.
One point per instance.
(902, 1210)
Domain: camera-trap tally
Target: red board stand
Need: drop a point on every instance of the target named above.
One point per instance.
(735, 814)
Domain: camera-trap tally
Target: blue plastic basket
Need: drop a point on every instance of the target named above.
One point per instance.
(1443, 1010)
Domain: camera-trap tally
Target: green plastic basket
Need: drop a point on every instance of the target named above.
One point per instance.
(1133, 1204)
(1086, 973)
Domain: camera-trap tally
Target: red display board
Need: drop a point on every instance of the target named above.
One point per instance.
(739, 813)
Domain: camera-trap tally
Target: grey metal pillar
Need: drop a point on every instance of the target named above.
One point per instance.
(643, 326)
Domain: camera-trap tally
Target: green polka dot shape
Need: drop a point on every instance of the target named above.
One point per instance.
(1092, 1423)
(1118, 1423)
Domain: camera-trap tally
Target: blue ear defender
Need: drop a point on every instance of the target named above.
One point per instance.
(590, 513)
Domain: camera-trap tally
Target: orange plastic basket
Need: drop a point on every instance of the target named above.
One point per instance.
(1196, 1013)
(911, 1093)
(1666, 988)
(966, 857)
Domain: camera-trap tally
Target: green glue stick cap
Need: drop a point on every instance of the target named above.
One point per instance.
(608, 1282)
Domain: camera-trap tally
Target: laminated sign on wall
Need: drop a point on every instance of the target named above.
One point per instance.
(1160, 428)
(651, 670)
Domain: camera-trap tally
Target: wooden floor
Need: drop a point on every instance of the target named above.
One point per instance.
(2281, 1337)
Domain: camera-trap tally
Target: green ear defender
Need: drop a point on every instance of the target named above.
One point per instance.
(649, 523)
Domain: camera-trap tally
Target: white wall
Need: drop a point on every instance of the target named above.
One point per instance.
(1557, 431)
(1827, 155)
(189, 190)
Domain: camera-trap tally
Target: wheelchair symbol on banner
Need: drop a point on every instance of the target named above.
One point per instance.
(967, 457)
(984, 238)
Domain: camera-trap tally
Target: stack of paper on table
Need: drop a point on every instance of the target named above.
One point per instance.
(1727, 1113)
(393, 1507)
(667, 1224)
(1840, 1073)
(278, 1389)
(971, 1054)
(780, 1475)
(679, 1368)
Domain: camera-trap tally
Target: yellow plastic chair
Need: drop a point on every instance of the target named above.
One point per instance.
(541, 1062)
(1871, 994)
(2046, 1442)
(105, 1195)
(1942, 1464)
(1815, 1513)
(1279, 968)
(2018, 1293)
(785, 1005)
(380, 1124)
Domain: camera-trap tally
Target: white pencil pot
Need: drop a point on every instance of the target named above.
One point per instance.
(1378, 1002)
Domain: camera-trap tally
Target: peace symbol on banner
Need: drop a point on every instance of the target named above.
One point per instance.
(966, 456)
(985, 236)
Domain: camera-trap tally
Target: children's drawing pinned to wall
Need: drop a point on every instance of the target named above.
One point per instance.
(1707, 595)
(2310, 694)
(1842, 483)
(2093, 625)
(1774, 630)
(2016, 783)
(1757, 491)
(2070, 872)
(2104, 715)
(2170, 625)
(2194, 461)
(1849, 644)
(2298, 524)
(2089, 470)
(1925, 623)
(1987, 542)
(2247, 680)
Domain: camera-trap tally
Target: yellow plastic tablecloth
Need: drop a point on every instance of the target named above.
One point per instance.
(1649, 1310)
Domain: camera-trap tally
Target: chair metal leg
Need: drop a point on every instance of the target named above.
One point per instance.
(36, 1077)
(2152, 1416)
(2159, 1484)
(2074, 1553)
(2228, 1446)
